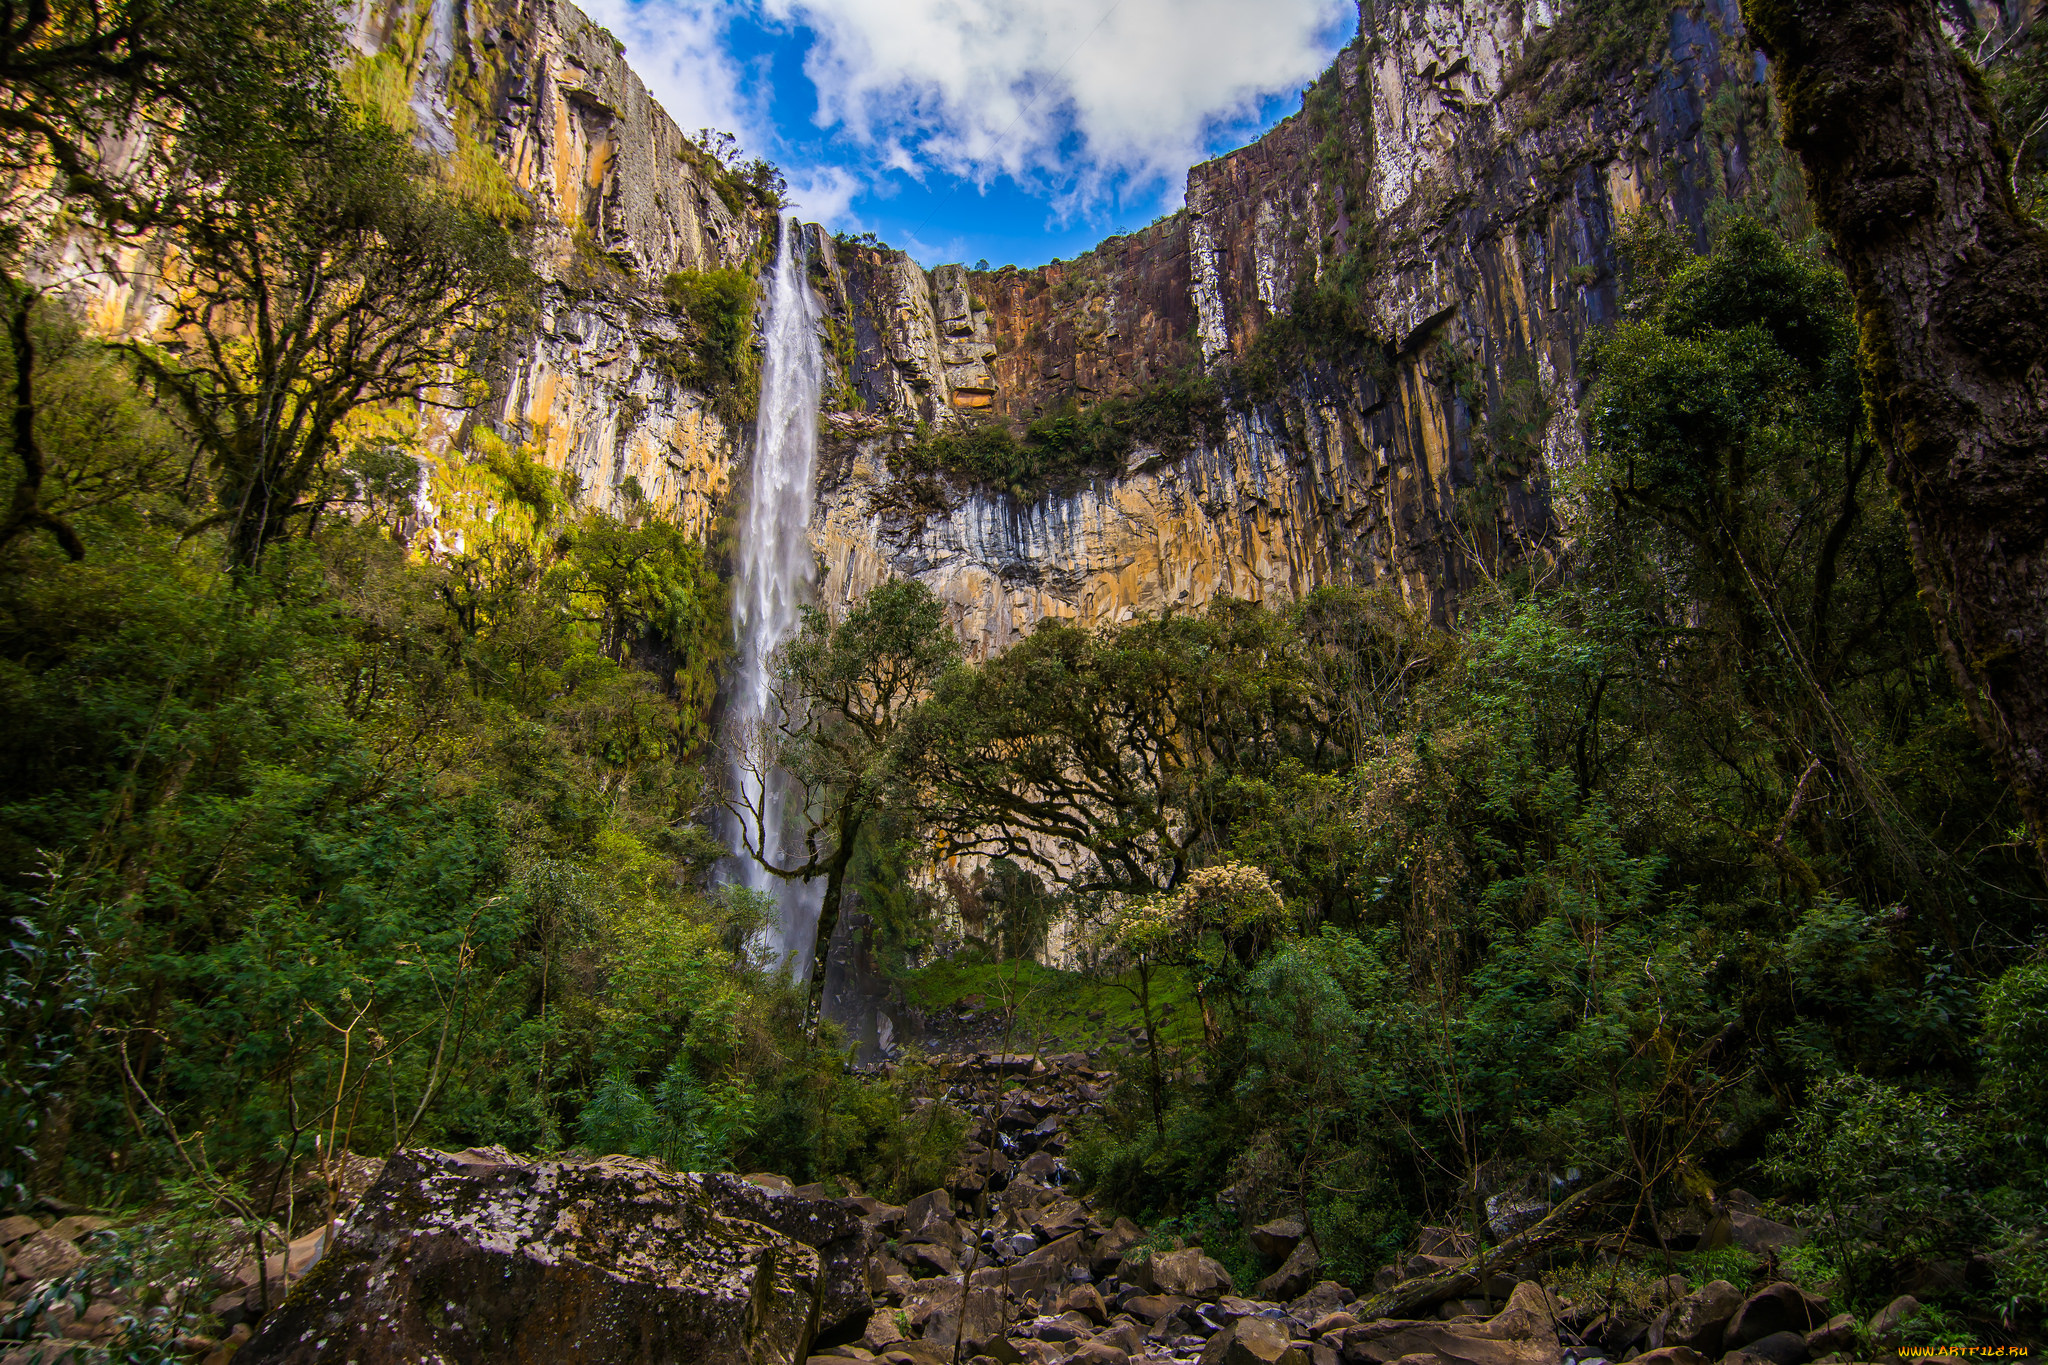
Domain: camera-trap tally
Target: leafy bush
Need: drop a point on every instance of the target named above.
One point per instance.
(719, 361)
(1890, 1174)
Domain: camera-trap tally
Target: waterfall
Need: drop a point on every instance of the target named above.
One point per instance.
(776, 574)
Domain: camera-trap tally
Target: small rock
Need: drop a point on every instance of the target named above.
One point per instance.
(778, 1184)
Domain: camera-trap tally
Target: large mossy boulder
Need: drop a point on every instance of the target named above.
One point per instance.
(483, 1256)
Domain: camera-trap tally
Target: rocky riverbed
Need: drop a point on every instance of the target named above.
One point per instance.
(487, 1256)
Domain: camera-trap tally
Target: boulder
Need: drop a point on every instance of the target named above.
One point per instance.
(1187, 1273)
(17, 1226)
(1154, 1308)
(946, 1312)
(1322, 1299)
(1838, 1333)
(483, 1255)
(43, 1257)
(1097, 1353)
(1699, 1320)
(78, 1225)
(1111, 1245)
(1759, 1235)
(925, 1259)
(1292, 1279)
(1045, 1268)
(934, 1206)
(1522, 1333)
(1779, 1307)
(1888, 1320)
(1277, 1238)
(1252, 1341)
(830, 1227)
(1779, 1348)
(1086, 1300)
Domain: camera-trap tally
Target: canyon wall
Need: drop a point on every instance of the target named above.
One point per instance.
(1462, 171)
(1469, 188)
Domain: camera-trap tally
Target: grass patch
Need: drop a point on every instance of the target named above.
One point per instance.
(1057, 1011)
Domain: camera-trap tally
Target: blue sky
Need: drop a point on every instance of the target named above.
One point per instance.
(1012, 130)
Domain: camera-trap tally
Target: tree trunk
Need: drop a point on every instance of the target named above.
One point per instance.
(1907, 172)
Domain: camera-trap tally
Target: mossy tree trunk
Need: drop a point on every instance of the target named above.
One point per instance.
(1908, 173)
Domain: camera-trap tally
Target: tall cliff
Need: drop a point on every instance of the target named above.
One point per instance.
(1464, 169)
(1460, 175)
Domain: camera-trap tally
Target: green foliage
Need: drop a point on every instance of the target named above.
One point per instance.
(1890, 1172)
(720, 361)
(1066, 446)
(2016, 1040)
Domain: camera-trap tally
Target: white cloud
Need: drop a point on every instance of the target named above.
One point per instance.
(1064, 93)
(1074, 98)
(824, 194)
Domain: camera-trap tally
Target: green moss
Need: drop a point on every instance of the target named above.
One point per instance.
(381, 85)
(481, 180)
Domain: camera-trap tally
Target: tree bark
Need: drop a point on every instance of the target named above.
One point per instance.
(1906, 170)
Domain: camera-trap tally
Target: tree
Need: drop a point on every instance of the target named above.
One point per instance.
(843, 690)
(133, 109)
(136, 105)
(1908, 172)
(308, 290)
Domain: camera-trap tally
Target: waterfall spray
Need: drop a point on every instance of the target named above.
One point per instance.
(776, 574)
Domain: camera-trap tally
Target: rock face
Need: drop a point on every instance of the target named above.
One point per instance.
(1478, 209)
(483, 1256)
(1462, 173)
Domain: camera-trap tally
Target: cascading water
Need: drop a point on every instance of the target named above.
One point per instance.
(776, 574)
